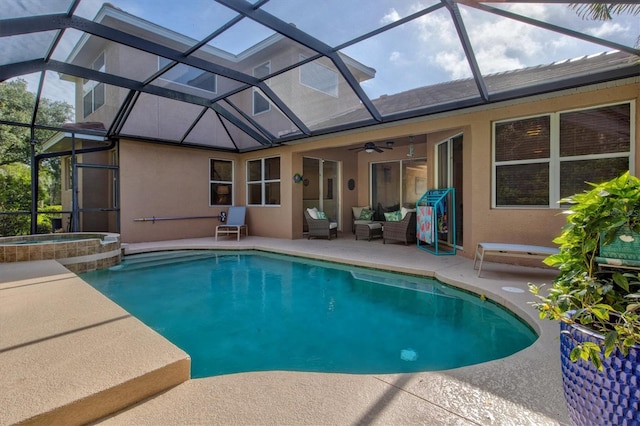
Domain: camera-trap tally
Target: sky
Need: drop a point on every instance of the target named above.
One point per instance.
(422, 52)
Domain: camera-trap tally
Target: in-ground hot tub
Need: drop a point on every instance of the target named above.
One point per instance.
(77, 251)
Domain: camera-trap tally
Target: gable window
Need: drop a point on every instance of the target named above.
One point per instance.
(186, 75)
(220, 182)
(319, 77)
(260, 103)
(539, 160)
(93, 92)
(263, 182)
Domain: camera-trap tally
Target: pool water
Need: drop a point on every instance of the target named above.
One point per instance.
(253, 311)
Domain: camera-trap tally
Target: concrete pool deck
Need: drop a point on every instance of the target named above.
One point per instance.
(64, 348)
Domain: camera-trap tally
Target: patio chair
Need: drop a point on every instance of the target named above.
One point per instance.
(235, 223)
(403, 230)
(320, 227)
(356, 213)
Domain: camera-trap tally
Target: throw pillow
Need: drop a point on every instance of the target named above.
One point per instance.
(322, 215)
(313, 213)
(366, 214)
(405, 210)
(393, 216)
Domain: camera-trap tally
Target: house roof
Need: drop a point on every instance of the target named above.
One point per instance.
(330, 67)
(506, 85)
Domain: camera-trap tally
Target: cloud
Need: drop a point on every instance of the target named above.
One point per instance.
(391, 16)
(607, 29)
(395, 56)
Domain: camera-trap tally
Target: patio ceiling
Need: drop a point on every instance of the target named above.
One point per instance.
(238, 76)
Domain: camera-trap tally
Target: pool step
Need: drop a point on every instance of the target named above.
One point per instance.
(151, 260)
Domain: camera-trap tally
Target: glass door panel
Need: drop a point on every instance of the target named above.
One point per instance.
(385, 188)
(449, 175)
(320, 190)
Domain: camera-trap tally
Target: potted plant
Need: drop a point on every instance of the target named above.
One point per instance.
(598, 307)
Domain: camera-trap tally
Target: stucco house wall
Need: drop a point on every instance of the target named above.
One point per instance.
(166, 181)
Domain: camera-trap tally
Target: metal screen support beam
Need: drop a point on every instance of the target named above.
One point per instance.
(74, 186)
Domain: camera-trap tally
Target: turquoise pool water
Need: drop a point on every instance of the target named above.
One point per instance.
(253, 311)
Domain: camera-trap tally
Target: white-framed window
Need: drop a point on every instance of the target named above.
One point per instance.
(93, 92)
(319, 77)
(186, 75)
(263, 182)
(539, 160)
(260, 103)
(220, 182)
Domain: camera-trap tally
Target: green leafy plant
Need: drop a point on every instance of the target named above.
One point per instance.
(604, 300)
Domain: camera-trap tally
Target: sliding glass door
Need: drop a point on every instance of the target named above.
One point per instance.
(320, 180)
(449, 175)
(396, 184)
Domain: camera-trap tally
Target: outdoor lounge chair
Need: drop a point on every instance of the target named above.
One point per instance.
(320, 227)
(355, 217)
(404, 230)
(235, 223)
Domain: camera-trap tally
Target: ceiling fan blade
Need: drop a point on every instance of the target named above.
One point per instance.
(377, 149)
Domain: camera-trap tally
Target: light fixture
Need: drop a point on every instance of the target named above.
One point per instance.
(369, 150)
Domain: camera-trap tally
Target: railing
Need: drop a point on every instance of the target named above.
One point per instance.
(222, 217)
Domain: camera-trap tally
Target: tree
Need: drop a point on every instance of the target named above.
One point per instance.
(17, 105)
(604, 11)
(15, 195)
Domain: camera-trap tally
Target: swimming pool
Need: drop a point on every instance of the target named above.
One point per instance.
(255, 311)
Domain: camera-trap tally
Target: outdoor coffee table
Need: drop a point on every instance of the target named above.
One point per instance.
(368, 231)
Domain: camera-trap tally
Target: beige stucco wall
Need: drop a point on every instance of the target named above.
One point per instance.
(166, 181)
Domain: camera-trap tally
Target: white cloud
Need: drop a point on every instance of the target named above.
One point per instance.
(391, 16)
(607, 29)
(455, 65)
(395, 56)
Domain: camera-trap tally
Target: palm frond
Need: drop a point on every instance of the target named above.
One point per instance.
(604, 11)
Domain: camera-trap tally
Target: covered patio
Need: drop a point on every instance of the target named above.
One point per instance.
(524, 388)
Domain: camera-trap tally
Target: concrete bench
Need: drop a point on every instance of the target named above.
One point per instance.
(513, 250)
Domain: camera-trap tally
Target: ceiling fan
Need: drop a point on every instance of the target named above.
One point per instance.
(370, 147)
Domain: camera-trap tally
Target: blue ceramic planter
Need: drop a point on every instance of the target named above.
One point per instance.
(609, 397)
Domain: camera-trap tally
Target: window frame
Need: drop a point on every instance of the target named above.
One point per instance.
(255, 92)
(220, 181)
(555, 160)
(90, 87)
(263, 182)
